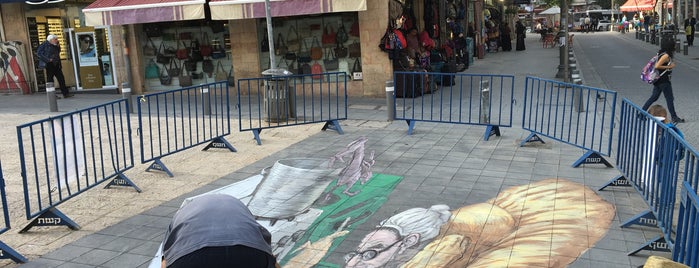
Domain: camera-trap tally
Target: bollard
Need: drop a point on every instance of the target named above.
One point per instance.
(677, 46)
(126, 94)
(51, 96)
(485, 102)
(685, 48)
(206, 100)
(390, 100)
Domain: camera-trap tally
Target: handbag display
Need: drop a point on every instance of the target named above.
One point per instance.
(221, 74)
(219, 51)
(208, 67)
(189, 65)
(340, 51)
(173, 69)
(231, 78)
(205, 47)
(331, 62)
(357, 70)
(341, 35)
(304, 55)
(280, 46)
(316, 50)
(292, 41)
(161, 57)
(317, 70)
(355, 50)
(304, 68)
(194, 52)
(354, 29)
(149, 49)
(182, 53)
(152, 70)
(185, 79)
(328, 39)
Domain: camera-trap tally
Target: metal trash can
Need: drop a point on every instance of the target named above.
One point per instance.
(277, 95)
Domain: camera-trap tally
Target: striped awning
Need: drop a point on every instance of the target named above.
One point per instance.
(642, 5)
(119, 12)
(247, 9)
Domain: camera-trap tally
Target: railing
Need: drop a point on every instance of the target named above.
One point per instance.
(648, 157)
(176, 120)
(473, 99)
(66, 155)
(686, 248)
(282, 101)
(577, 115)
(6, 252)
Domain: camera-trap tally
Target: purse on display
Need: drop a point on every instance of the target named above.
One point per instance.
(304, 55)
(292, 41)
(185, 79)
(221, 74)
(231, 78)
(149, 50)
(173, 69)
(328, 39)
(316, 49)
(152, 70)
(189, 65)
(208, 67)
(317, 70)
(219, 51)
(182, 53)
(194, 52)
(264, 45)
(341, 35)
(161, 57)
(340, 51)
(355, 50)
(280, 47)
(331, 62)
(205, 47)
(165, 78)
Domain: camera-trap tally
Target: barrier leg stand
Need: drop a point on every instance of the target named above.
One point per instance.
(531, 138)
(206, 100)
(220, 142)
(256, 132)
(159, 166)
(126, 94)
(122, 180)
(411, 126)
(334, 125)
(51, 96)
(9, 253)
(616, 181)
(51, 217)
(591, 157)
(658, 243)
(390, 101)
(491, 130)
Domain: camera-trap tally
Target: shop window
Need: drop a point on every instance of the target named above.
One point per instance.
(183, 54)
(329, 40)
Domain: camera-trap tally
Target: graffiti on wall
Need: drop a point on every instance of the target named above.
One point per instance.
(12, 68)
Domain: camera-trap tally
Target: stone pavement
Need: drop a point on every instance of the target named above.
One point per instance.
(439, 163)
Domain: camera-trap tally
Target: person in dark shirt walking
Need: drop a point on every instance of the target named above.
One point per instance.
(49, 59)
(217, 230)
(664, 65)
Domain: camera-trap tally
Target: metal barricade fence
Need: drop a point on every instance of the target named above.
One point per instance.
(6, 252)
(281, 101)
(176, 120)
(66, 155)
(574, 114)
(686, 248)
(473, 99)
(649, 155)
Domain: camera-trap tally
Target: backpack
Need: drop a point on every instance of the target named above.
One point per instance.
(649, 74)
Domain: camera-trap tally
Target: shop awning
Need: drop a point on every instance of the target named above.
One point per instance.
(641, 5)
(247, 9)
(119, 12)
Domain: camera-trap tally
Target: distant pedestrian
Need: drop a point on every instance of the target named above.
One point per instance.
(663, 85)
(689, 27)
(216, 230)
(506, 37)
(49, 58)
(521, 32)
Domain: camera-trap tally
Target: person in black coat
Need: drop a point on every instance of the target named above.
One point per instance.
(521, 31)
(49, 59)
(506, 40)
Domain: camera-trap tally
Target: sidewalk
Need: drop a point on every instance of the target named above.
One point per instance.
(438, 164)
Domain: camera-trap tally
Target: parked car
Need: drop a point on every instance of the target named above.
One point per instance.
(603, 25)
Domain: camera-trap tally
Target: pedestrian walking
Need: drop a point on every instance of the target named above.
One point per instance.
(663, 85)
(689, 27)
(217, 230)
(49, 59)
(521, 32)
(505, 38)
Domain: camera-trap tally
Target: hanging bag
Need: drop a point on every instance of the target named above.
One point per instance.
(182, 53)
(354, 29)
(165, 78)
(219, 51)
(280, 48)
(194, 52)
(205, 47)
(221, 74)
(316, 50)
(331, 62)
(185, 79)
(304, 56)
(317, 70)
(340, 51)
(161, 57)
(357, 70)
(173, 69)
(341, 36)
(189, 65)
(149, 50)
(152, 70)
(355, 50)
(208, 67)
(264, 45)
(231, 78)
(328, 39)
(292, 39)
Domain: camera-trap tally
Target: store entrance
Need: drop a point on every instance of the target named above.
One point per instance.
(92, 63)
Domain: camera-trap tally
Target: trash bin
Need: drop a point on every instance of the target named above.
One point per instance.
(278, 95)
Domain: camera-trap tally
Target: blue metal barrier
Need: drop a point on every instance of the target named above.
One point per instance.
(6, 252)
(176, 120)
(648, 157)
(686, 249)
(577, 115)
(455, 98)
(281, 101)
(66, 155)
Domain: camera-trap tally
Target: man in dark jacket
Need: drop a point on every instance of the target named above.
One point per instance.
(49, 59)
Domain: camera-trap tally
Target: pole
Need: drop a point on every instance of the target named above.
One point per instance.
(485, 102)
(390, 100)
(563, 40)
(270, 34)
(126, 94)
(51, 97)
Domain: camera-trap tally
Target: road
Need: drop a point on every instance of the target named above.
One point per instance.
(612, 60)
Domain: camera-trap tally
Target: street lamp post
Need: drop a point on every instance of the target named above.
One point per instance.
(563, 49)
